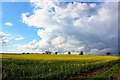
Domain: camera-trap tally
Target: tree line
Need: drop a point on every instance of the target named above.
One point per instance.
(81, 53)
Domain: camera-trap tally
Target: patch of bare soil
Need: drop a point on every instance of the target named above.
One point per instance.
(86, 75)
(118, 75)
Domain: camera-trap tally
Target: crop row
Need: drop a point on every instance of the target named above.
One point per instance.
(44, 69)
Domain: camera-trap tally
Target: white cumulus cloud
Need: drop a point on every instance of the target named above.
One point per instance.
(8, 24)
(74, 26)
(4, 38)
(19, 38)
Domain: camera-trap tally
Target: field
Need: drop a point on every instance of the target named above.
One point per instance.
(59, 67)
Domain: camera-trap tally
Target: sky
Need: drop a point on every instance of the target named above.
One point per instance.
(38, 26)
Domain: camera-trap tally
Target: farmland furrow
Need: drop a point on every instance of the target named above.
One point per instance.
(86, 75)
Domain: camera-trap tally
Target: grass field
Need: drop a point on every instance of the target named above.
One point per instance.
(57, 67)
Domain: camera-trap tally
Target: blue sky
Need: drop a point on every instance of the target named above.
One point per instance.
(61, 27)
(11, 12)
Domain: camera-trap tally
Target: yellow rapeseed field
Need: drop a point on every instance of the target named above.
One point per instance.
(48, 66)
(58, 57)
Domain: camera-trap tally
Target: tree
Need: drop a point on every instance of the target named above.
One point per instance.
(108, 53)
(55, 52)
(81, 53)
(47, 52)
(23, 53)
(27, 53)
(118, 53)
(69, 52)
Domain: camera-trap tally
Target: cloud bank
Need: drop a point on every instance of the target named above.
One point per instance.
(73, 26)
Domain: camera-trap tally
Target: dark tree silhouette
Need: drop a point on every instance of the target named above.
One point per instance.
(81, 53)
(47, 52)
(69, 52)
(23, 53)
(108, 53)
(118, 53)
(55, 52)
(27, 53)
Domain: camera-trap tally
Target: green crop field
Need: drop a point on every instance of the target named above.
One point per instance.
(57, 67)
